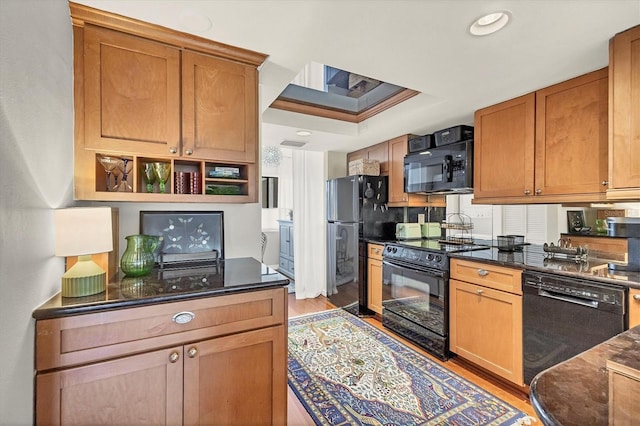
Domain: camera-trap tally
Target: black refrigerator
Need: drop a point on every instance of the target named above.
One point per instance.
(356, 212)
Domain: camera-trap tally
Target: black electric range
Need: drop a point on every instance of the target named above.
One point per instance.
(415, 291)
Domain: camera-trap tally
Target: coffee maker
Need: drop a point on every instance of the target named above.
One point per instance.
(628, 227)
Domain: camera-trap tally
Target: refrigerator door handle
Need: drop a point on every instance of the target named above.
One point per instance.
(332, 285)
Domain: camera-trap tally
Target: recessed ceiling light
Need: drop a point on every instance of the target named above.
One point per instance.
(303, 133)
(490, 23)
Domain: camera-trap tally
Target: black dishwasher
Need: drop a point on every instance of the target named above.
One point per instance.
(564, 316)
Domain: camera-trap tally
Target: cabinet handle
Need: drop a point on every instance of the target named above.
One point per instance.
(636, 297)
(483, 273)
(192, 352)
(538, 191)
(183, 317)
(174, 357)
(479, 292)
(605, 182)
(173, 149)
(527, 192)
(188, 151)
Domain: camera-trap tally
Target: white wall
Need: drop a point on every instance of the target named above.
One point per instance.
(36, 176)
(284, 173)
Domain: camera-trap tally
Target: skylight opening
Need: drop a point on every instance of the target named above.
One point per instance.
(330, 92)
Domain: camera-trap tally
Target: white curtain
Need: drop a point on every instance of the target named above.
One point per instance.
(309, 230)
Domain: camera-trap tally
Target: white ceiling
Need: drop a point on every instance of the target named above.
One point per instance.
(420, 44)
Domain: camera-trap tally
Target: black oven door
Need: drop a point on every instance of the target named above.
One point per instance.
(416, 294)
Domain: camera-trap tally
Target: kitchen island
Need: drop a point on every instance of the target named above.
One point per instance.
(578, 391)
(178, 345)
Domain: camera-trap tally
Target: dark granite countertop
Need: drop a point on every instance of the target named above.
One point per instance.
(168, 285)
(534, 258)
(576, 391)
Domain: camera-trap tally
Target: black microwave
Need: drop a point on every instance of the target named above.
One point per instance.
(440, 170)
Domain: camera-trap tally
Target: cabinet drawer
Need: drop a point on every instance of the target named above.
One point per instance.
(487, 275)
(86, 338)
(375, 251)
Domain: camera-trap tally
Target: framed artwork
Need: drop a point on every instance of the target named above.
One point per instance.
(185, 232)
(575, 220)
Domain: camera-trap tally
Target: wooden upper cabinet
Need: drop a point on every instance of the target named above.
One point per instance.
(504, 149)
(145, 93)
(544, 147)
(219, 101)
(379, 151)
(571, 136)
(398, 148)
(624, 113)
(397, 152)
(132, 93)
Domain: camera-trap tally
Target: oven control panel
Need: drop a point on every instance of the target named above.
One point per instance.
(415, 256)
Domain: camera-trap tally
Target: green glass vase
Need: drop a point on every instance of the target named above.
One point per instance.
(137, 260)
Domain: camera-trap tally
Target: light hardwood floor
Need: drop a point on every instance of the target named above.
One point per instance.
(297, 415)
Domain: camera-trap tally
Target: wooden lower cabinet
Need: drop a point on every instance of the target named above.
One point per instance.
(374, 278)
(236, 379)
(486, 324)
(139, 389)
(235, 373)
(634, 307)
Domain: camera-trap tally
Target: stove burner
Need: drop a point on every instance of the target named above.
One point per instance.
(428, 253)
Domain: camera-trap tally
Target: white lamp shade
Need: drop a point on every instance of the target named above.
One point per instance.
(82, 231)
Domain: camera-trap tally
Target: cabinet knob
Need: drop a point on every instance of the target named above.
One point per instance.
(479, 292)
(174, 357)
(183, 317)
(527, 192)
(483, 273)
(538, 191)
(173, 149)
(605, 182)
(188, 151)
(192, 352)
(636, 297)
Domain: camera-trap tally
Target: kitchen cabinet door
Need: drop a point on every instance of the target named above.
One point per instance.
(246, 372)
(571, 137)
(486, 328)
(634, 307)
(131, 93)
(219, 107)
(398, 148)
(379, 152)
(624, 125)
(374, 278)
(504, 149)
(139, 389)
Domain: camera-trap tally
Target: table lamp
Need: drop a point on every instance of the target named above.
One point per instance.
(83, 231)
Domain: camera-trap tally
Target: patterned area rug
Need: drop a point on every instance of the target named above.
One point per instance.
(347, 372)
